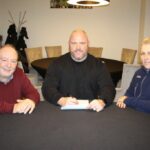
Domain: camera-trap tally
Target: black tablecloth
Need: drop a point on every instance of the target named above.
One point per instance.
(115, 67)
(49, 128)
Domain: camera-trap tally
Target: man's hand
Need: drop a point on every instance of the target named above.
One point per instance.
(67, 101)
(97, 105)
(24, 106)
(120, 102)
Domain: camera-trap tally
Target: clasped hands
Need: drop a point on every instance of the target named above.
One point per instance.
(24, 106)
(96, 104)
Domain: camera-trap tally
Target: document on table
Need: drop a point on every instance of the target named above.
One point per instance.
(82, 104)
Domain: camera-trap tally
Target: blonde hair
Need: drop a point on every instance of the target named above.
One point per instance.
(146, 40)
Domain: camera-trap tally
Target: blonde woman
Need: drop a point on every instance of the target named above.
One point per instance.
(137, 95)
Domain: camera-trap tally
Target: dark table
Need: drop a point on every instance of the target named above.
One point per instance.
(115, 67)
(49, 128)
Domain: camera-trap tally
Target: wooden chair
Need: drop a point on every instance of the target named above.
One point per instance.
(95, 51)
(33, 54)
(53, 51)
(128, 55)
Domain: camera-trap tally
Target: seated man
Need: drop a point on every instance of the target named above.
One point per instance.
(17, 94)
(137, 95)
(78, 75)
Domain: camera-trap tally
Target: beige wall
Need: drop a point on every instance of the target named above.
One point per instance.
(112, 27)
(147, 19)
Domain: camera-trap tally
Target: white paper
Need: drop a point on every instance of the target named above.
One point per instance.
(82, 104)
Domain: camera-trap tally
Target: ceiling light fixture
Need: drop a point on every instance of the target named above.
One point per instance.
(89, 2)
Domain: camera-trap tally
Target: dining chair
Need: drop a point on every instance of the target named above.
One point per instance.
(127, 75)
(53, 51)
(128, 55)
(95, 51)
(33, 54)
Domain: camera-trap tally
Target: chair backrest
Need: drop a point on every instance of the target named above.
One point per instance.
(128, 55)
(53, 51)
(33, 54)
(95, 51)
(127, 75)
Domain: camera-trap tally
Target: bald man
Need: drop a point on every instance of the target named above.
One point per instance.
(17, 94)
(78, 75)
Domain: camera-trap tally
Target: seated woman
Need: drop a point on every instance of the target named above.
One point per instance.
(137, 95)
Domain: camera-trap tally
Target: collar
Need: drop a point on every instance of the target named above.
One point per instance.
(7, 80)
(81, 60)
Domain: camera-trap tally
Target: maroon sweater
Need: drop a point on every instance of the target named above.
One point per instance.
(18, 88)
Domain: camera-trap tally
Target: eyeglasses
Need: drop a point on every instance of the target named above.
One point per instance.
(5, 60)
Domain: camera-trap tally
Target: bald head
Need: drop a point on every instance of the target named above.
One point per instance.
(78, 44)
(7, 50)
(78, 32)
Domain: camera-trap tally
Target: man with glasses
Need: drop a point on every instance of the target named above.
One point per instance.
(17, 94)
